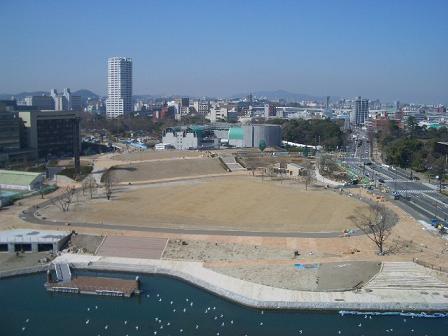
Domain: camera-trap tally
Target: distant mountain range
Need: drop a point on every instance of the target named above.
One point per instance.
(84, 93)
(282, 94)
(270, 95)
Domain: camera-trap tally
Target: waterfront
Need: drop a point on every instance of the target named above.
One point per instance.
(171, 307)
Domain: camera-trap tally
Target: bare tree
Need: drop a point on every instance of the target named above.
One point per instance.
(307, 171)
(376, 223)
(64, 200)
(108, 184)
(89, 184)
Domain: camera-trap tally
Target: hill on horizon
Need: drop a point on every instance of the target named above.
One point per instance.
(84, 93)
(281, 94)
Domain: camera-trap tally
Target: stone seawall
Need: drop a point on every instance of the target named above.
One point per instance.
(24, 271)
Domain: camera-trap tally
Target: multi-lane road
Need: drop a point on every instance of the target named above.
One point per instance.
(420, 199)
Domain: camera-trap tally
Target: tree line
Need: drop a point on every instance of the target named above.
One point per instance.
(414, 146)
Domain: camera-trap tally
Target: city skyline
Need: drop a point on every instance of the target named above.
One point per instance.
(391, 51)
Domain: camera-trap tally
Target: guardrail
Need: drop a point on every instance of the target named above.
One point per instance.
(429, 265)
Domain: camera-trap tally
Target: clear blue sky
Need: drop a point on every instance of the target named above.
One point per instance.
(387, 49)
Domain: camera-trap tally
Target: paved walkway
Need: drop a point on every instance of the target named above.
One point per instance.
(232, 164)
(262, 296)
(326, 181)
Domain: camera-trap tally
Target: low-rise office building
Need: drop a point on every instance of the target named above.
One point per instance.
(26, 240)
(52, 133)
(191, 137)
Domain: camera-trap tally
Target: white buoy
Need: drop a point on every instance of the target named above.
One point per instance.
(136, 327)
(125, 322)
(171, 302)
(96, 307)
(185, 310)
(88, 309)
(181, 330)
(174, 310)
(231, 321)
(155, 332)
(87, 322)
(106, 326)
(23, 328)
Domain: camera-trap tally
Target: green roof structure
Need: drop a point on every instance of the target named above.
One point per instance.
(17, 178)
(236, 133)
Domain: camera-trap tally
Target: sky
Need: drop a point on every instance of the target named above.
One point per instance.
(391, 50)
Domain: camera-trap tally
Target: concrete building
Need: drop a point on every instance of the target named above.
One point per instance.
(222, 113)
(12, 144)
(254, 135)
(40, 102)
(190, 137)
(20, 180)
(9, 131)
(52, 133)
(27, 240)
(360, 111)
(119, 87)
(202, 107)
(65, 101)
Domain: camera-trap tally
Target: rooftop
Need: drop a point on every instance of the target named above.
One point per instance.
(29, 236)
(15, 177)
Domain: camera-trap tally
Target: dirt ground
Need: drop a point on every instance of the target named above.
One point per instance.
(205, 251)
(166, 169)
(9, 261)
(85, 243)
(155, 155)
(231, 203)
(313, 277)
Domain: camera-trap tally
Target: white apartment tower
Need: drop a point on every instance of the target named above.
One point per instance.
(119, 87)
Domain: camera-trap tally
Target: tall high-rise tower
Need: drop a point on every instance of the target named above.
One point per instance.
(119, 87)
(360, 111)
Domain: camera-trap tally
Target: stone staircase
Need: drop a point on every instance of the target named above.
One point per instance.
(406, 276)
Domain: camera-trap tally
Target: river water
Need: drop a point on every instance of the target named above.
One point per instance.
(172, 307)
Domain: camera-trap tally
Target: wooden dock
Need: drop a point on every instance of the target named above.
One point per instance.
(96, 286)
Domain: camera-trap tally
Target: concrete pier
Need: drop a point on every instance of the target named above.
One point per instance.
(373, 297)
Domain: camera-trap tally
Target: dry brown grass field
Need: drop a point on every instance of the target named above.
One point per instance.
(155, 155)
(155, 170)
(232, 203)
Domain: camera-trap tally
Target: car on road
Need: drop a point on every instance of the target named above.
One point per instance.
(381, 181)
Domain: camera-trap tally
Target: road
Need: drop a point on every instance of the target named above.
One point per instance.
(421, 200)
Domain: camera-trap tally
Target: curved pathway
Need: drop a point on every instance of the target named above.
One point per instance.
(30, 216)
